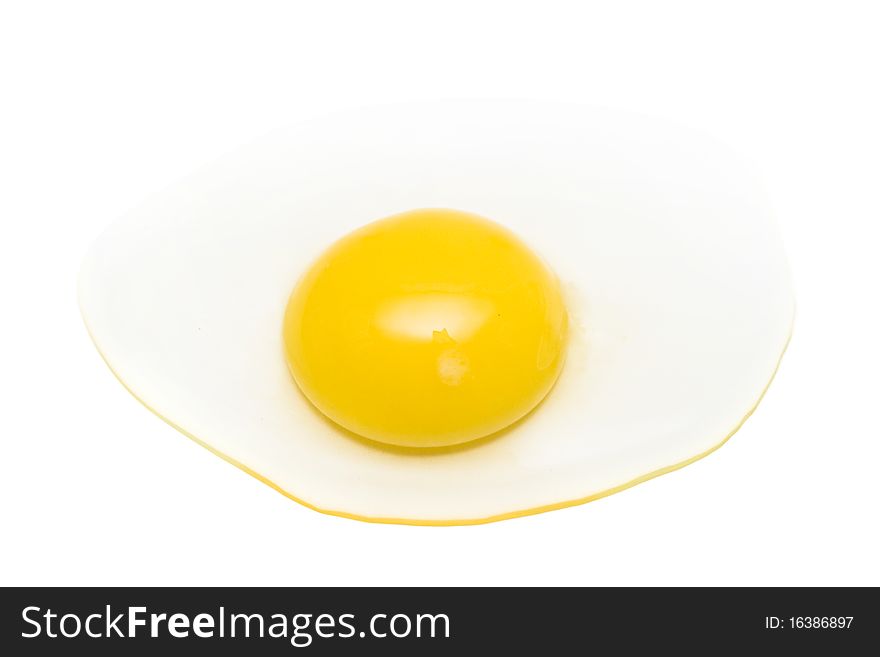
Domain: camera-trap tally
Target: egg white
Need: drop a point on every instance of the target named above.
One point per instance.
(677, 285)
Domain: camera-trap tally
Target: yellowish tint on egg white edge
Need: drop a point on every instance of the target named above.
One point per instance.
(452, 523)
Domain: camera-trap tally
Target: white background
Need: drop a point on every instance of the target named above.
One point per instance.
(104, 103)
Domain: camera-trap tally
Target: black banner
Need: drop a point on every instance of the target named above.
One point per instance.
(278, 621)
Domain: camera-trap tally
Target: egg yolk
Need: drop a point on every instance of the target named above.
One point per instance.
(426, 329)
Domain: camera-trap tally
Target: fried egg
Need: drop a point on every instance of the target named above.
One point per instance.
(453, 312)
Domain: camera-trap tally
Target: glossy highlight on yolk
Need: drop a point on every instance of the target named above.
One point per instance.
(426, 329)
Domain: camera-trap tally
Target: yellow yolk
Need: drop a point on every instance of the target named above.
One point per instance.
(426, 329)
